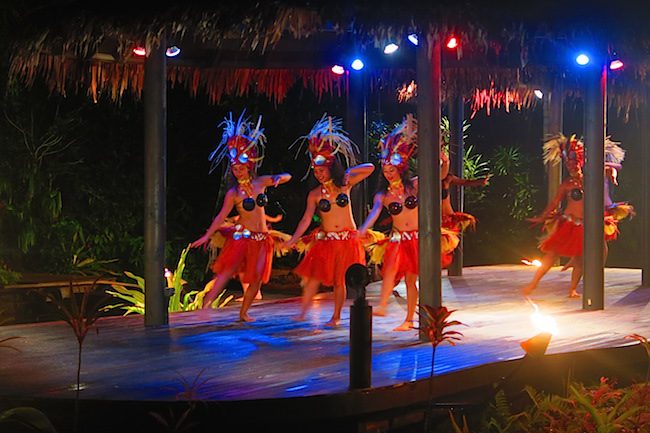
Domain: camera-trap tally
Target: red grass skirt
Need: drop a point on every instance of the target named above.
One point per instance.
(565, 239)
(402, 254)
(401, 249)
(330, 256)
(251, 258)
(459, 221)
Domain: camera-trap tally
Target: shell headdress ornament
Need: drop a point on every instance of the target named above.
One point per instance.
(400, 144)
(242, 142)
(559, 147)
(326, 141)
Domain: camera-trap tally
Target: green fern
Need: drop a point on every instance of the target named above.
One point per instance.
(181, 300)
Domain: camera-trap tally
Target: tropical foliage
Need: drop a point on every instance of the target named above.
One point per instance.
(81, 314)
(7, 276)
(132, 295)
(435, 324)
(601, 408)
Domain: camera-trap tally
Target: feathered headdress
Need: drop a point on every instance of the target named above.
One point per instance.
(559, 147)
(242, 142)
(613, 152)
(326, 141)
(400, 144)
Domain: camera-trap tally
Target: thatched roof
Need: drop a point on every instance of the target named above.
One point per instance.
(267, 47)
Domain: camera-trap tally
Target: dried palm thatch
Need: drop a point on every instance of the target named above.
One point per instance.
(90, 50)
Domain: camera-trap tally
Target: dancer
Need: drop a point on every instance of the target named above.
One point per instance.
(248, 249)
(333, 246)
(565, 228)
(218, 240)
(614, 211)
(398, 193)
(451, 219)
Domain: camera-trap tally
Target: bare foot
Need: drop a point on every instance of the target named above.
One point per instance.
(333, 323)
(379, 311)
(406, 326)
(574, 294)
(245, 318)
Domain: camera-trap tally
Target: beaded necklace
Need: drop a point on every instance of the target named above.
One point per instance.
(245, 186)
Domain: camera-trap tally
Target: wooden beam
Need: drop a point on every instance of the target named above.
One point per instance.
(645, 196)
(593, 297)
(428, 109)
(553, 124)
(457, 157)
(553, 110)
(356, 125)
(155, 172)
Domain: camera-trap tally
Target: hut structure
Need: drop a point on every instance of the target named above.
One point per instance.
(243, 47)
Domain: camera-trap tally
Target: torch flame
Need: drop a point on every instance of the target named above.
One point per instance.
(534, 262)
(543, 322)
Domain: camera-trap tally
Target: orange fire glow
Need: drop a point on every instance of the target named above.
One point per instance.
(534, 262)
(543, 322)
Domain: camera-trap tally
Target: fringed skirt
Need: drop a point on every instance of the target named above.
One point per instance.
(248, 254)
(329, 255)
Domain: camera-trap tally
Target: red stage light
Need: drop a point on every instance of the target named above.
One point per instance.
(452, 42)
(139, 51)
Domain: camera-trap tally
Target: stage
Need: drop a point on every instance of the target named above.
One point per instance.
(276, 362)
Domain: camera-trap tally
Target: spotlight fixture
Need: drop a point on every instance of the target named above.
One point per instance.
(452, 42)
(140, 51)
(173, 51)
(338, 69)
(391, 48)
(357, 64)
(536, 346)
(582, 59)
(538, 93)
(413, 38)
(615, 64)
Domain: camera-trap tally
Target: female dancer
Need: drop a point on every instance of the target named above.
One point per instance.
(614, 211)
(398, 193)
(248, 249)
(333, 246)
(565, 229)
(451, 219)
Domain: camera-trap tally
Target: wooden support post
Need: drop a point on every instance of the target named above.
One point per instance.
(428, 109)
(457, 157)
(553, 124)
(357, 127)
(593, 297)
(553, 108)
(645, 197)
(155, 182)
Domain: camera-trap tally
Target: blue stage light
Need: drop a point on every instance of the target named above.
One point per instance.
(357, 64)
(582, 59)
(173, 51)
(413, 38)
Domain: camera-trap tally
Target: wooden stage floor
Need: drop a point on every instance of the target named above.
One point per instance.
(276, 357)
